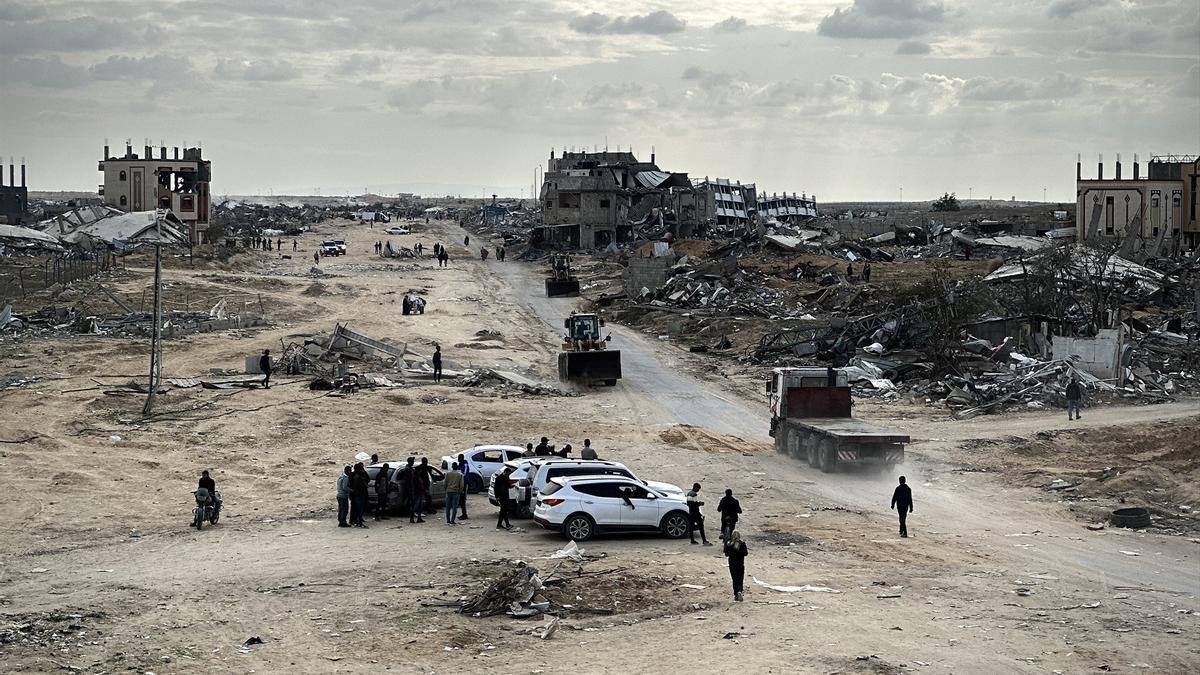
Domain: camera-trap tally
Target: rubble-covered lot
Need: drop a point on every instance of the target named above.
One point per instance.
(100, 572)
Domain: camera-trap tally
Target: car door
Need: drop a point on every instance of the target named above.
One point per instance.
(602, 501)
(487, 462)
(645, 511)
(437, 486)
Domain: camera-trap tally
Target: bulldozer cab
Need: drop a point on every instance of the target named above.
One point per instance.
(583, 327)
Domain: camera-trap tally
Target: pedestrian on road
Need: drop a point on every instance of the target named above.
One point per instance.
(849, 271)
(730, 509)
(360, 484)
(696, 515)
(316, 257)
(902, 501)
(588, 452)
(1074, 397)
(382, 486)
(278, 244)
(264, 364)
(483, 254)
(500, 254)
(467, 240)
(455, 486)
(437, 363)
(408, 479)
(736, 551)
(343, 496)
(465, 467)
(502, 498)
(867, 273)
(295, 245)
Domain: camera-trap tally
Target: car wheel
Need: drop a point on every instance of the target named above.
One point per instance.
(675, 525)
(475, 484)
(579, 527)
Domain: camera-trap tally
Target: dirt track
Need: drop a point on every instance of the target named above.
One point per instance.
(174, 600)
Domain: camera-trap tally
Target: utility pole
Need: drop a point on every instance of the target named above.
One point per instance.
(156, 335)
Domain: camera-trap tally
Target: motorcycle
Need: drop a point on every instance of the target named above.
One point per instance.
(208, 507)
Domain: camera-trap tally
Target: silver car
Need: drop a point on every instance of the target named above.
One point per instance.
(398, 499)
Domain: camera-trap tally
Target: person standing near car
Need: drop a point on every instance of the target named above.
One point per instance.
(382, 485)
(264, 364)
(343, 496)
(465, 467)
(360, 485)
(588, 451)
(730, 509)
(424, 479)
(455, 486)
(412, 490)
(736, 551)
(437, 363)
(902, 501)
(502, 498)
(696, 515)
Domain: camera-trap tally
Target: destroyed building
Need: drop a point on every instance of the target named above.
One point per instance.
(14, 199)
(787, 209)
(179, 184)
(590, 198)
(1152, 215)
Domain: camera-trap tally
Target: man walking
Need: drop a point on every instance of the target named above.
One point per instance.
(437, 363)
(730, 509)
(902, 501)
(696, 515)
(867, 273)
(502, 487)
(343, 496)
(454, 488)
(465, 467)
(1074, 396)
(382, 485)
(316, 257)
(264, 364)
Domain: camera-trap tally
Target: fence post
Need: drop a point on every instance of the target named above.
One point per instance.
(21, 280)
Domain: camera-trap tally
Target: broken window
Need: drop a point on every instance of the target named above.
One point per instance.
(122, 177)
(187, 203)
(604, 203)
(123, 199)
(1154, 199)
(568, 200)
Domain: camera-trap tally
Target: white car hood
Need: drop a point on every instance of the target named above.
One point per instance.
(665, 487)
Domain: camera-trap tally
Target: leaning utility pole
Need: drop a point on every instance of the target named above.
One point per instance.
(156, 335)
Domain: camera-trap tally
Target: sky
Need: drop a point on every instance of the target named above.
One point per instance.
(842, 99)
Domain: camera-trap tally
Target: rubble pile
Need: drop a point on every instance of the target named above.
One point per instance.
(507, 381)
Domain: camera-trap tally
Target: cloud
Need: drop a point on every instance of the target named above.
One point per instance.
(1189, 85)
(72, 35)
(47, 73)
(358, 64)
(154, 68)
(883, 19)
(913, 48)
(1065, 9)
(990, 89)
(264, 70)
(661, 22)
(733, 24)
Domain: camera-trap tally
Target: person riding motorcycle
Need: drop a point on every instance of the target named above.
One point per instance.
(207, 483)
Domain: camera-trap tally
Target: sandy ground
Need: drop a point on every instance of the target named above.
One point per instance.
(1000, 575)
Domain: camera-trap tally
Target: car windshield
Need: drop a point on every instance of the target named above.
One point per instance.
(551, 488)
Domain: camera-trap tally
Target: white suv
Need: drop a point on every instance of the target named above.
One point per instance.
(583, 507)
(531, 474)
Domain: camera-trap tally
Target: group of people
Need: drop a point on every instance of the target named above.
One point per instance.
(266, 243)
(483, 253)
(443, 257)
(546, 449)
(407, 487)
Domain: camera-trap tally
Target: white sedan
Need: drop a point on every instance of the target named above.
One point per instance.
(397, 230)
(582, 507)
(484, 461)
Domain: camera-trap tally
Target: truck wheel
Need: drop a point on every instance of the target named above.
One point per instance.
(811, 451)
(781, 441)
(827, 458)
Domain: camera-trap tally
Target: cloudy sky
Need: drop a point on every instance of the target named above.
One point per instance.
(847, 99)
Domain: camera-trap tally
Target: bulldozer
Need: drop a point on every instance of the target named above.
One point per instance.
(585, 356)
(561, 284)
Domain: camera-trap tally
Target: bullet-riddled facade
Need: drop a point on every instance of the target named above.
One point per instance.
(144, 183)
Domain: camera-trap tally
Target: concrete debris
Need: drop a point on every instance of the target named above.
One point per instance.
(508, 380)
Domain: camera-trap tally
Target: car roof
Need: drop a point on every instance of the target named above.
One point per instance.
(572, 460)
(492, 447)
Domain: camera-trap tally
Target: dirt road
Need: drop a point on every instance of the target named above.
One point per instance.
(997, 577)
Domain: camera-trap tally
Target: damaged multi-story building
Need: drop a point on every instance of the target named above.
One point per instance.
(14, 199)
(145, 183)
(592, 199)
(1151, 215)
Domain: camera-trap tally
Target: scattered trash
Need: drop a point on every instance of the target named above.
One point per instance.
(794, 589)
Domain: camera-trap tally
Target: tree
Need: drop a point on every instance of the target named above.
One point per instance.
(947, 202)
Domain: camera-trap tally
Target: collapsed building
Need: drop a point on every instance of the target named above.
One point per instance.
(145, 183)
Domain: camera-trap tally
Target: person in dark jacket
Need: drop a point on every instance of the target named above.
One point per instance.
(1074, 397)
(736, 551)
(467, 240)
(867, 273)
(902, 501)
(696, 515)
(543, 448)
(264, 364)
(502, 498)
(412, 490)
(360, 485)
(465, 468)
(424, 474)
(729, 508)
(343, 496)
(382, 486)
(437, 363)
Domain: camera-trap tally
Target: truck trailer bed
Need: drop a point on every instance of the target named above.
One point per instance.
(849, 429)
